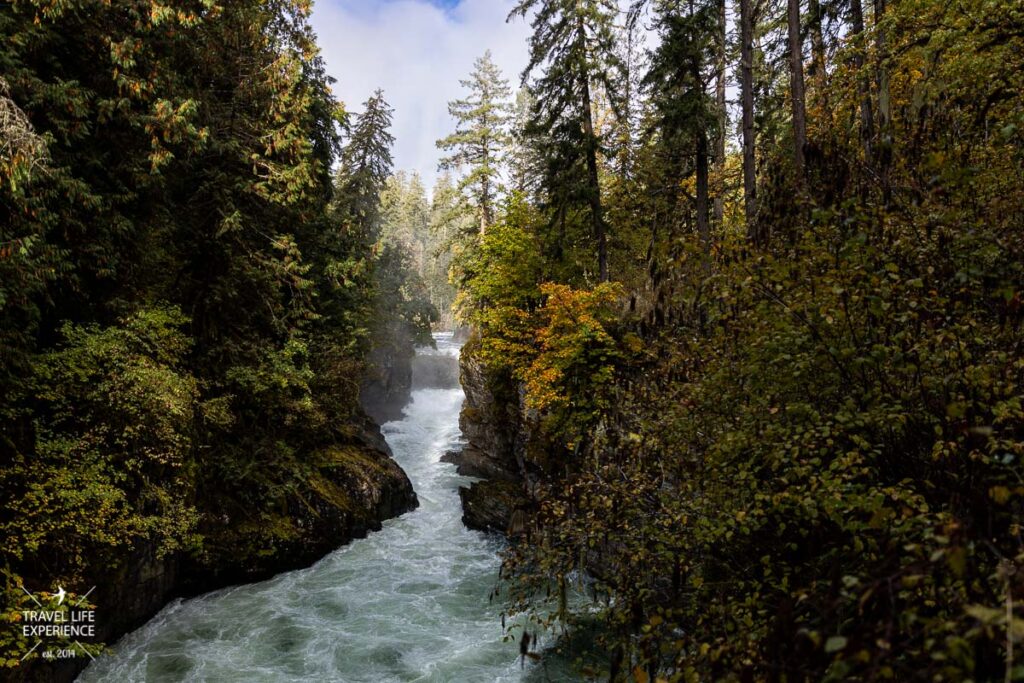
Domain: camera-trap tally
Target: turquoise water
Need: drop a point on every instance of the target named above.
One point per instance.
(408, 603)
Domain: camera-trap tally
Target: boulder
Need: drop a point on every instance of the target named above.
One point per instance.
(489, 505)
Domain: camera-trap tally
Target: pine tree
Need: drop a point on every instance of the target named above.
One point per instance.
(685, 114)
(796, 85)
(526, 154)
(405, 216)
(452, 226)
(365, 167)
(746, 69)
(342, 250)
(480, 142)
(573, 43)
(721, 109)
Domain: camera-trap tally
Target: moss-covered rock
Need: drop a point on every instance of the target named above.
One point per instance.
(346, 491)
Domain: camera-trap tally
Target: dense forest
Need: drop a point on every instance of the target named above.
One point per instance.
(194, 279)
(743, 281)
(753, 289)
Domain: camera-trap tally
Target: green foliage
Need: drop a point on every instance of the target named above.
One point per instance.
(561, 344)
(499, 288)
(571, 55)
(402, 298)
(185, 291)
(478, 145)
(797, 460)
(365, 167)
(113, 412)
(571, 378)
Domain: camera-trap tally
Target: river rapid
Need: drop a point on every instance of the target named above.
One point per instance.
(407, 603)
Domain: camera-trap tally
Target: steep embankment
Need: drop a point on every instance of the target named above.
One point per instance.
(348, 489)
(496, 437)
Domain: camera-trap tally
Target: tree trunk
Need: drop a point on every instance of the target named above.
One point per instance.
(884, 105)
(626, 124)
(703, 228)
(723, 117)
(593, 182)
(747, 105)
(485, 204)
(884, 150)
(866, 115)
(819, 74)
(796, 85)
(594, 186)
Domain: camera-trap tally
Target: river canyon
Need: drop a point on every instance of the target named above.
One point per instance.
(407, 603)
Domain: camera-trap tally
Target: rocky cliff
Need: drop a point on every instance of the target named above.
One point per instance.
(385, 389)
(489, 420)
(491, 424)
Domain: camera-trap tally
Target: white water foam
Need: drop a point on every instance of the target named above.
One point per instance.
(408, 603)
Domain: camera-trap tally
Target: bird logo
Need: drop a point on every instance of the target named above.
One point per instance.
(60, 595)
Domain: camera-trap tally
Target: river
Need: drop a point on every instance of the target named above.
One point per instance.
(407, 603)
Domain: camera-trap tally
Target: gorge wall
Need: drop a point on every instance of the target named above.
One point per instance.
(496, 450)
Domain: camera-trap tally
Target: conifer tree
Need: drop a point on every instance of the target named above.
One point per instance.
(479, 144)
(365, 167)
(746, 78)
(796, 85)
(448, 217)
(405, 216)
(676, 80)
(573, 44)
(343, 252)
(526, 157)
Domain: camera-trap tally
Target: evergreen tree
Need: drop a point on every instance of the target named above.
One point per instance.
(163, 291)
(746, 78)
(573, 43)
(343, 248)
(796, 85)
(479, 144)
(526, 152)
(685, 115)
(449, 218)
(405, 217)
(365, 167)
(400, 313)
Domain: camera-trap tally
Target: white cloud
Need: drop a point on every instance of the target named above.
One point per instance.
(416, 52)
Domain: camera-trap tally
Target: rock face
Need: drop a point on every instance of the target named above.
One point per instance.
(388, 383)
(349, 490)
(435, 370)
(489, 420)
(489, 505)
(395, 370)
(490, 423)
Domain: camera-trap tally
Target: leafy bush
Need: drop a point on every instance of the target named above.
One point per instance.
(113, 413)
(571, 377)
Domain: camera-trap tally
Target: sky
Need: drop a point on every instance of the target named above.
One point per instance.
(416, 51)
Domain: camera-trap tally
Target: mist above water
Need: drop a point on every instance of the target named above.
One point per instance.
(437, 368)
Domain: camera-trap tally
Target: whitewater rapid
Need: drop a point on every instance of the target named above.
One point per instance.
(407, 603)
